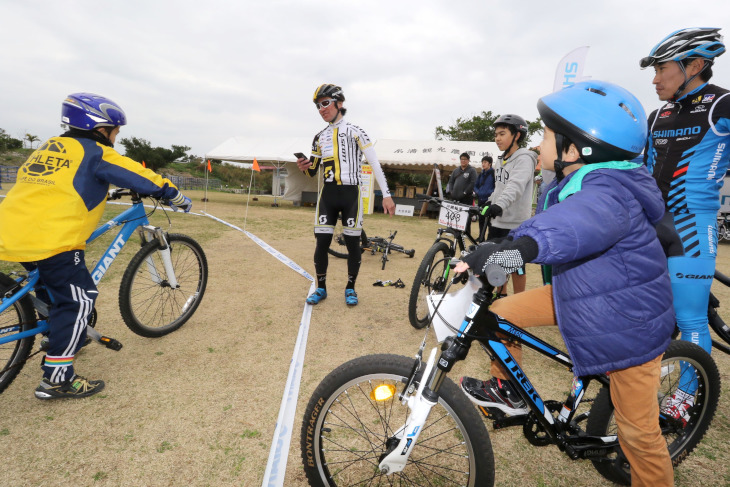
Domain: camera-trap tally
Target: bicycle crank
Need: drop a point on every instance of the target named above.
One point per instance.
(534, 431)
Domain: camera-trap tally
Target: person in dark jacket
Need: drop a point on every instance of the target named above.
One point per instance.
(461, 183)
(610, 294)
(484, 187)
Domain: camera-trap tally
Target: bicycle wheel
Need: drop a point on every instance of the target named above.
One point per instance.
(716, 321)
(338, 247)
(681, 438)
(18, 317)
(345, 433)
(399, 248)
(149, 306)
(429, 277)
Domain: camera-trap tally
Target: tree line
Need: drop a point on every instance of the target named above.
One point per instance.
(479, 128)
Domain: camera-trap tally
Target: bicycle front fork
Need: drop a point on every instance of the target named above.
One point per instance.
(420, 407)
(147, 233)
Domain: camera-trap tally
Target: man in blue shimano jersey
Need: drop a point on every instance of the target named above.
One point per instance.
(687, 153)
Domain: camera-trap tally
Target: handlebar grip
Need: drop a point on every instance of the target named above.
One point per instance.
(495, 275)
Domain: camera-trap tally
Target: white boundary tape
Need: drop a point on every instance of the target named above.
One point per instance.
(279, 452)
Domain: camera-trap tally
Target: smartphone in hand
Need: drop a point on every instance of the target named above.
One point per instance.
(299, 155)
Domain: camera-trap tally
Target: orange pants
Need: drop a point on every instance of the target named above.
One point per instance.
(634, 392)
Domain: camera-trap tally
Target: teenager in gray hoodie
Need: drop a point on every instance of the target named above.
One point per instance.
(514, 172)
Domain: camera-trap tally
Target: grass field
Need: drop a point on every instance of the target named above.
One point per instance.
(199, 407)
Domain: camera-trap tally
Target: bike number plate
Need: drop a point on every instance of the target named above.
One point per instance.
(454, 216)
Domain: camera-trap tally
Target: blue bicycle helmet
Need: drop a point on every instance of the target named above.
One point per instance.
(87, 111)
(693, 42)
(603, 120)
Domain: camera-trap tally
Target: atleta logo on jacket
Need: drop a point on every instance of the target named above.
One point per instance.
(46, 161)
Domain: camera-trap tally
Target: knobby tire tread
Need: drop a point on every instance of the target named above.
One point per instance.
(126, 294)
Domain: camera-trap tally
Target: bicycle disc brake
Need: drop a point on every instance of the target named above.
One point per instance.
(534, 431)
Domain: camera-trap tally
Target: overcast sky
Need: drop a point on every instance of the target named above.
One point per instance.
(196, 73)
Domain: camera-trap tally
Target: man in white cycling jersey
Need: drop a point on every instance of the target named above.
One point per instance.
(338, 150)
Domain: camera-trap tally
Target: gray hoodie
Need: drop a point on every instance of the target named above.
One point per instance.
(513, 183)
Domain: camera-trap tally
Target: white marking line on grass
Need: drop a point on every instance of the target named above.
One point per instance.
(279, 453)
(278, 255)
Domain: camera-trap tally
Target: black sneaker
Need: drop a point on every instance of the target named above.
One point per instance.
(77, 387)
(494, 394)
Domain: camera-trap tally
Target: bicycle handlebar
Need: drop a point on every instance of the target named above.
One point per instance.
(493, 276)
(476, 209)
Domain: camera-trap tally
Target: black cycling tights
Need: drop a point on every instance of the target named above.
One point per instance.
(321, 257)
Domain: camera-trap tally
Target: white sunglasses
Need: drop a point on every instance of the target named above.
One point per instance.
(324, 103)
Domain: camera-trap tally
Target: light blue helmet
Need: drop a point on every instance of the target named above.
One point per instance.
(693, 42)
(87, 111)
(603, 120)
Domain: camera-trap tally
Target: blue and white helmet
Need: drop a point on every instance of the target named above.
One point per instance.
(603, 120)
(693, 42)
(87, 111)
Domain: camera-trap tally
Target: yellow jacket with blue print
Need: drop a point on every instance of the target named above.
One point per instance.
(60, 194)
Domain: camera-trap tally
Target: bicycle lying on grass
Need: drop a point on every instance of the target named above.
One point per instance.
(432, 274)
(160, 290)
(372, 244)
(390, 420)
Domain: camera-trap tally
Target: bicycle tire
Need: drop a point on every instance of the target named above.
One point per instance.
(718, 324)
(149, 306)
(340, 248)
(681, 439)
(399, 248)
(428, 278)
(13, 354)
(344, 432)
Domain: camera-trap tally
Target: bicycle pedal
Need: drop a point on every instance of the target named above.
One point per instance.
(115, 345)
(501, 420)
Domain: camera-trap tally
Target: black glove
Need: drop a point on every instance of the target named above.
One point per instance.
(667, 234)
(493, 211)
(511, 255)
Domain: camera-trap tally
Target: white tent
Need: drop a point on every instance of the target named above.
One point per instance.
(402, 155)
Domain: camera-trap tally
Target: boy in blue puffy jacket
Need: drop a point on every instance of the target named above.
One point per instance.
(610, 293)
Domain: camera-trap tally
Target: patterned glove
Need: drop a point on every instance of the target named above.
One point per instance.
(511, 255)
(493, 211)
(181, 202)
(510, 260)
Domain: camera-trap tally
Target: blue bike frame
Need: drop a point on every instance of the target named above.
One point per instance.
(130, 219)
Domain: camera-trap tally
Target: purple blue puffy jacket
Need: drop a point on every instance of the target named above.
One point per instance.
(611, 289)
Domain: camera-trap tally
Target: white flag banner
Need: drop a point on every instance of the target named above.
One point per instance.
(570, 68)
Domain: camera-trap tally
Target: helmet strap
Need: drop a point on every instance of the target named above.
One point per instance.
(559, 163)
(337, 113)
(504, 154)
(707, 63)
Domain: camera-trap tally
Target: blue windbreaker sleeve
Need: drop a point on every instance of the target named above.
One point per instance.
(127, 173)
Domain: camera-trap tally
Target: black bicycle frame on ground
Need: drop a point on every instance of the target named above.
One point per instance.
(373, 245)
